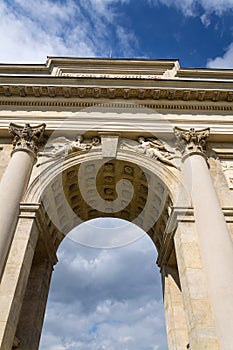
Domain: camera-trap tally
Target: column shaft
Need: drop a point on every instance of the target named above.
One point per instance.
(12, 188)
(15, 181)
(215, 244)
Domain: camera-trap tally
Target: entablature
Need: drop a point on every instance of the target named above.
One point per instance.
(148, 93)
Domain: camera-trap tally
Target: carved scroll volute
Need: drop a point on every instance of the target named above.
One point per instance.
(191, 141)
(27, 138)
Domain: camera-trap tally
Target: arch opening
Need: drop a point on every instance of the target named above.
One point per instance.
(109, 298)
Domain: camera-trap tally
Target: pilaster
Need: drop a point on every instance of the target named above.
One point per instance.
(14, 279)
(177, 335)
(17, 279)
(199, 315)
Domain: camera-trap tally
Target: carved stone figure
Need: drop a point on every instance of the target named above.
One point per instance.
(27, 137)
(62, 146)
(153, 148)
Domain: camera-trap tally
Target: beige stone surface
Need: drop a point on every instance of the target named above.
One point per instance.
(177, 335)
(5, 154)
(130, 98)
(195, 291)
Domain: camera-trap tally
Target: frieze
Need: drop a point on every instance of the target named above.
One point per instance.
(140, 93)
(150, 147)
(112, 76)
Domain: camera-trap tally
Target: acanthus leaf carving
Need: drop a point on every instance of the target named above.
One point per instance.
(27, 137)
(191, 141)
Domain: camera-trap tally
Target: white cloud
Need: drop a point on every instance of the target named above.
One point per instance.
(104, 7)
(108, 299)
(203, 9)
(191, 7)
(112, 324)
(128, 41)
(217, 6)
(226, 61)
(205, 20)
(30, 31)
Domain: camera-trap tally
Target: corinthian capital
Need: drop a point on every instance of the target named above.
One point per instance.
(191, 141)
(27, 137)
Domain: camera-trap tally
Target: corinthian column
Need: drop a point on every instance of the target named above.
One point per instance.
(215, 243)
(15, 181)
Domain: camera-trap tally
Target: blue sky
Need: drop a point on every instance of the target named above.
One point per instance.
(197, 32)
(111, 299)
(105, 299)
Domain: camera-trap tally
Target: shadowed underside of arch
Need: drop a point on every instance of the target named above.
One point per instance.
(81, 187)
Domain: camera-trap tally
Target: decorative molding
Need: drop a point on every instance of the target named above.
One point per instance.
(27, 137)
(228, 214)
(141, 93)
(80, 104)
(191, 141)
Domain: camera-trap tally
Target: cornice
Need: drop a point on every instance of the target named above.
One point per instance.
(205, 74)
(55, 66)
(74, 96)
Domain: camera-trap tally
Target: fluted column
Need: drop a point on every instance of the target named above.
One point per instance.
(214, 238)
(15, 181)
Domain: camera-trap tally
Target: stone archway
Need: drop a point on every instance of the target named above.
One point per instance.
(55, 203)
(193, 237)
(58, 199)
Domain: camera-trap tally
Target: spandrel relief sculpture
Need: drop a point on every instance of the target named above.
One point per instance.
(153, 148)
(61, 147)
(227, 167)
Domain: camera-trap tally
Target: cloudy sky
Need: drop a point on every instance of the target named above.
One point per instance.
(197, 32)
(105, 299)
(111, 298)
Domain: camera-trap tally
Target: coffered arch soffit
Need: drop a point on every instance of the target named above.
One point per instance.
(85, 186)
